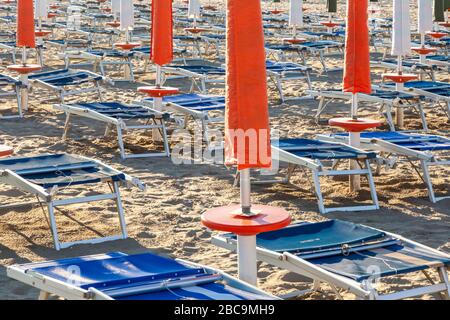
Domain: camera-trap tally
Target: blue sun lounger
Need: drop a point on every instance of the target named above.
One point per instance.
(201, 108)
(278, 72)
(349, 257)
(321, 159)
(65, 82)
(10, 87)
(436, 91)
(44, 176)
(100, 59)
(387, 101)
(123, 117)
(428, 150)
(118, 276)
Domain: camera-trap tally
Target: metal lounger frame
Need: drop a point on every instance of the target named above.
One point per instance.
(121, 126)
(49, 197)
(426, 160)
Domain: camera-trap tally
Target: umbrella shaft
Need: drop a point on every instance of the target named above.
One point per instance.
(245, 191)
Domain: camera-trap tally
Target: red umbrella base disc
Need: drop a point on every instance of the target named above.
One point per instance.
(354, 125)
(230, 219)
(423, 51)
(400, 78)
(24, 69)
(158, 92)
(5, 151)
(127, 45)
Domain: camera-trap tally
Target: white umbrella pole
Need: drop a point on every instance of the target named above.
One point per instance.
(354, 140)
(400, 116)
(157, 103)
(246, 248)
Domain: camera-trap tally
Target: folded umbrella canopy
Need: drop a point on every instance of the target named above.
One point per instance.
(296, 13)
(332, 6)
(247, 138)
(126, 14)
(425, 20)
(162, 46)
(357, 55)
(401, 29)
(440, 6)
(25, 24)
(194, 9)
(41, 9)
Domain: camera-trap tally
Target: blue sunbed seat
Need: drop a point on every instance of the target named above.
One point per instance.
(111, 53)
(314, 149)
(425, 85)
(136, 277)
(196, 102)
(443, 58)
(65, 77)
(119, 110)
(284, 67)
(409, 140)
(7, 80)
(44, 175)
(202, 69)
(59, 170)
(322, 44)
(350, 250)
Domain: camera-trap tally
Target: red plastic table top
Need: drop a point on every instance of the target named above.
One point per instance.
(423, 50)
(24, 69)
(276, 11)
(127, 45)
(42, 33)
(53, 6)
(400, 78)
(445, 24)
(51, 15)
(114, 24)
(158, 92)
(354, 125)
(294, 40)
(329, 24)
(229, 219)
(195, 30)
(210, 7)
(437, 35)
(5, 150)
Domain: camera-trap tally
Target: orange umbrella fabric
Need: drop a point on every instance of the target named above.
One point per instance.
(162, 40)
(357, 55)
(25, 24)
(247, 135)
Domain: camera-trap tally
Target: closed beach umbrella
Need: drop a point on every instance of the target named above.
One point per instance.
(246, 88)
(357, 55)
(25, 24)
(332, 6)
(115, 6)
(41, 9)
(425, 21)
(162, 50)
(126, 14)
(401, 29)
(440, 6)
(296, 13)
(194, 8)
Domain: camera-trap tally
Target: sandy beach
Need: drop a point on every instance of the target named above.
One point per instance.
(165, 218)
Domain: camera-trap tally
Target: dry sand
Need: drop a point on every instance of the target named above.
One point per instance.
(165, 219)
